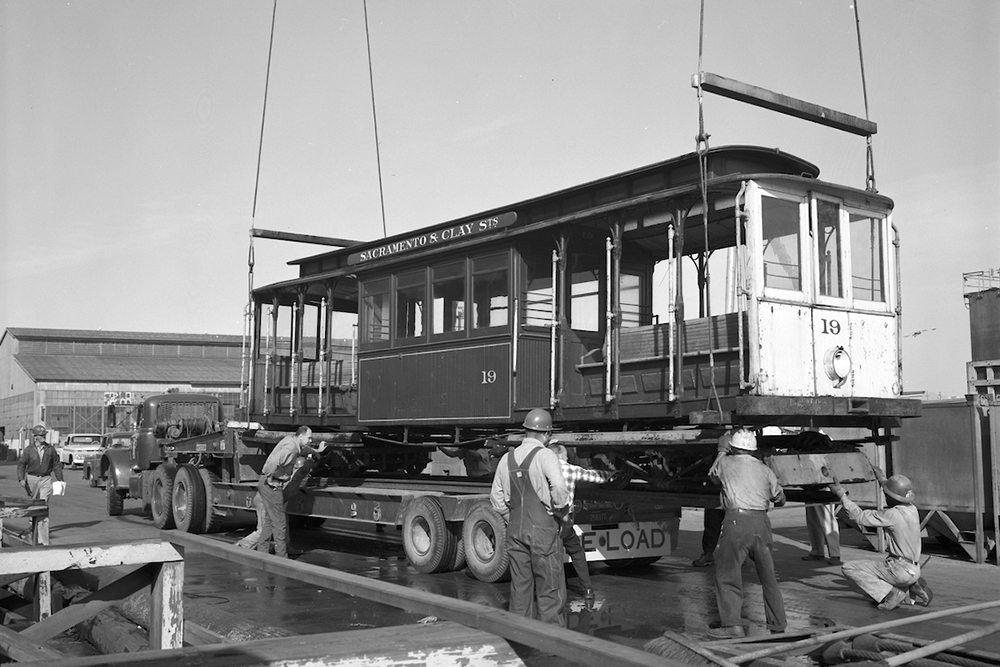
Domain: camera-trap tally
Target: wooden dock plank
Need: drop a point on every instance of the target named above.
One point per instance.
(439, 643)
(31, 560)
(583, 649)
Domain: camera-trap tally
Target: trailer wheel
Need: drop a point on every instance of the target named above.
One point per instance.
(428, 540)
(116, 500)
(189, 500)
(458, 562)
(213, 519)
(484, 536)
(161, 496)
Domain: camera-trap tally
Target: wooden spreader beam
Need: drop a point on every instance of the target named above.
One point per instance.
(761, 97)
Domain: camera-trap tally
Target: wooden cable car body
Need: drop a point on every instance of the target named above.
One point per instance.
(575, 301)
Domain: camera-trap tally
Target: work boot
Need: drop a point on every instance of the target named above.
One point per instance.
(704, 560)
(893, 599)
(921, 593)
(727, 632)
(589, 599)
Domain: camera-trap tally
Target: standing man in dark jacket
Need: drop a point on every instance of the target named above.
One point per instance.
(749, 489)
(529, 492)
(37, 465)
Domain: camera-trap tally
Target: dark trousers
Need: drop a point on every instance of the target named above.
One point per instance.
(574, 549)
(713, 527)
(746, 533)
(537, 582)
(274, 523)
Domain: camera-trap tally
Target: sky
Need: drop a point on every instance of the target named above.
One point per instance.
(130, 134)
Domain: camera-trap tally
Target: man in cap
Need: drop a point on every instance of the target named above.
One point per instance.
(895, 579)
(530, 493)
(37, 465)
(749, 489)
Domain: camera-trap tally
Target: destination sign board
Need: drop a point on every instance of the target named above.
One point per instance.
(428, 239)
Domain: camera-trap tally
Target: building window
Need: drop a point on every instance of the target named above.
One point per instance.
(411, 293)
(782, 259)
(538, 295)
(375, 311)
(828, 225)
(448, 289)
(490, 292)
(867, 270)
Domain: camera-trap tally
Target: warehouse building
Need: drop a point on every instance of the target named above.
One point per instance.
(83, 381)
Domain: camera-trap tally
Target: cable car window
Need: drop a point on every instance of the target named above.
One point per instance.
(828, 230)
(782, 260)
(375, 311)
(630, 299)
(490, 292)
(538, 295)
(867, 270)
(411, 293)
(448, 306)
(585, 300)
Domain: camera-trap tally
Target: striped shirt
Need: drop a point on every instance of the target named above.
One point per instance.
(574, 473)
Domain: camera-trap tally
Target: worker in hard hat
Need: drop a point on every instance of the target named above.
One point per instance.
(38, 464)
(749, 490)
(530, 493)
(895, 579)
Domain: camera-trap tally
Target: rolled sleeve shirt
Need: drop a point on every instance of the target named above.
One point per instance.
(281, 460)
(544, 473)
(748, 484)
(901, 524)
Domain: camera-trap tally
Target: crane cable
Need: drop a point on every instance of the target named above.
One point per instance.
(378, 158)
(702, 147)
(248, 310)
(870, 155)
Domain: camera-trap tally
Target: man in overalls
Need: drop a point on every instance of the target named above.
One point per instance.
(530, 493)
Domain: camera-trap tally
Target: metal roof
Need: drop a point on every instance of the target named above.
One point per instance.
(80, 335)
(112, 368)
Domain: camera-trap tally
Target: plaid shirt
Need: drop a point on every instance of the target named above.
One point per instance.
(573, 474)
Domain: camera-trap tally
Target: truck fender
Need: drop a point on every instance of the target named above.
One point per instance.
(118, 466)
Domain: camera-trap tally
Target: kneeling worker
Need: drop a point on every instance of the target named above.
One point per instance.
(896, 578)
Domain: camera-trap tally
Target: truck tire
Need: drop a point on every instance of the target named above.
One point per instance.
(428, 540)
(188, 504)
(213, 519)
(162, 495)
(115, 499)
(484, 536)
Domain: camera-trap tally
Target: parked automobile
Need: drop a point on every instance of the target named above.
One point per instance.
(92, 464)
(79, 446)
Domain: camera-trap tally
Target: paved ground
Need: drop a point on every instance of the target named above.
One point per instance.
(635, 605)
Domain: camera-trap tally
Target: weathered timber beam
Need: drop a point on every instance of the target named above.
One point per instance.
(761, 97)
(31, 560)
(433, 643)
(22, 649)
(17, 512)
(580, 648)
(78, 612)
(302, 238)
